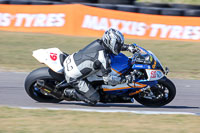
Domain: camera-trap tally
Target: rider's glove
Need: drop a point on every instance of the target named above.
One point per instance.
(132, 48)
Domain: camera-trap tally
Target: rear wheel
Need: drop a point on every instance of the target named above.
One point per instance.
(159, 95)
(35, 93)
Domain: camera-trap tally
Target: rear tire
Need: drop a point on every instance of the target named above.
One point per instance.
(166, 84)
(43, 73)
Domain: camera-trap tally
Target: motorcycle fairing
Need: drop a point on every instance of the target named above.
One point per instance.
(119, 64)
(141, 66)
(50, 57)
(153, 74)
(123, 86)
(128, 89)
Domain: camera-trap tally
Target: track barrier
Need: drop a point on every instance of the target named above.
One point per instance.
(81, 20)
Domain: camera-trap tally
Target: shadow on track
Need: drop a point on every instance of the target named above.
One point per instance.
(126, 105)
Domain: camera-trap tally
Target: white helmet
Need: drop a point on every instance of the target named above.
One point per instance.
(114, 40)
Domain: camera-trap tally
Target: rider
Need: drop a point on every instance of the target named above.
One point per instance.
(92, 58)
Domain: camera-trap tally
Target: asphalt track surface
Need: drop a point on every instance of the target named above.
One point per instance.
(12, 94)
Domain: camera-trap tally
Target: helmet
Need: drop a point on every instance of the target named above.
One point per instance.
(113, 40)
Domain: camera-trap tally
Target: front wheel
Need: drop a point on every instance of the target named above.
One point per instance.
(159, 95)
(45, 74)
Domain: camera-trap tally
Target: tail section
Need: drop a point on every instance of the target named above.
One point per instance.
(51, 57)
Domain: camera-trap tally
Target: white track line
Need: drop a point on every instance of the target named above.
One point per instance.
(115, 111)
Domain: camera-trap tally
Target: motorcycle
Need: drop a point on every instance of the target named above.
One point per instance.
(146, 80)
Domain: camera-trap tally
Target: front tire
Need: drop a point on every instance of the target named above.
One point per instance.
(45, 74)
(165, 91)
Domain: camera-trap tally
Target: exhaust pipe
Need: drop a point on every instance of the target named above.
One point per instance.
(51, 91)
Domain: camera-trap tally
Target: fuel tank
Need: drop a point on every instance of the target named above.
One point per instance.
(119, 63)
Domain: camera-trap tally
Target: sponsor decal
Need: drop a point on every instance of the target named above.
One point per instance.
(139, 66)
(141, 28)
(153, 74)
(175, 31)
(159, 74)
(103, 23)
(154, 65)
(32, 20)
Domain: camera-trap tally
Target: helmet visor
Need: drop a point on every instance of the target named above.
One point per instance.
(117, 48)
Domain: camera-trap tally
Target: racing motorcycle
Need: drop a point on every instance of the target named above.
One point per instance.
(146, 80)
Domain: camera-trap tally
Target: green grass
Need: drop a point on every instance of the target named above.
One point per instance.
(183, 58)
(14, 120)
(194, 2)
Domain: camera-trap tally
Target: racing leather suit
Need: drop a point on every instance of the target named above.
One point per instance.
(87, 61)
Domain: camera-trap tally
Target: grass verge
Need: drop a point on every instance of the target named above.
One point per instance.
(16, 51)
(48, 121)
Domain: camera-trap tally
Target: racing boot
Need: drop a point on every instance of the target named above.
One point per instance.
(70, 94)
(74, 95)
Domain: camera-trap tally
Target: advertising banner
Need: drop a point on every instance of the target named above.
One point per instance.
(80, 20)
